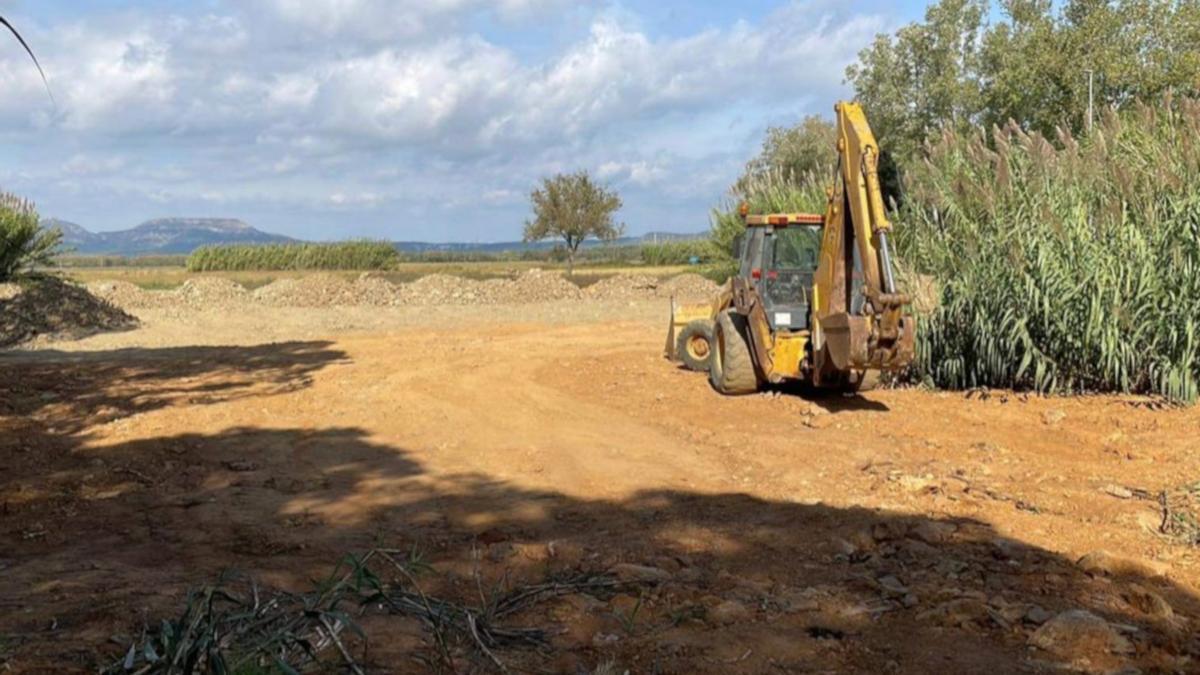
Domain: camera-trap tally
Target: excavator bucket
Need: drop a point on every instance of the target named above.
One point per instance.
(860, 342)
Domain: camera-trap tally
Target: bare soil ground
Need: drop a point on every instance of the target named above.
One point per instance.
(901, 531)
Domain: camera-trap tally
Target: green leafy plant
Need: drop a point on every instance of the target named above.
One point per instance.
(1064, 265)
(629, 621)
(25, 246)
(350, 255)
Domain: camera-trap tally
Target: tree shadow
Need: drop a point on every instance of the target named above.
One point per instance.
(106, 540)
(739, 584)
(66, 392)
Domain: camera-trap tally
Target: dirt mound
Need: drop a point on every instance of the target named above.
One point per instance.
(537, 286)
(126, 295)
(623, 287)
(374, 290)
(54, 309)
(688, 286)
(640, 287)
(318, 290)
(210, 291)
(441, 289)
(370, 289)
(530, 286)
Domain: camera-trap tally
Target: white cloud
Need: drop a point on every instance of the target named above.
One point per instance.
(359, 99)
(89, 165)
(641, 172)
(378, 21)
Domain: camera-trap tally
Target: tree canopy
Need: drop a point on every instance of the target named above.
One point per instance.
(793, 152)
(973, 63)
(574, 208)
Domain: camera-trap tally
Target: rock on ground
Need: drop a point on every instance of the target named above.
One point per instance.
(1078, 634)
(1103, 563)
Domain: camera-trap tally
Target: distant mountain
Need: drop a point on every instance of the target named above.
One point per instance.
(163, 236)
(74, 236)
(184, 235)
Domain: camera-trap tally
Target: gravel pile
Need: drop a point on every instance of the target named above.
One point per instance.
(640, 286)
(442, 289)
(53, 308)
(623, 287)
(536, 286)
(210, 291)
(369, 289)
(128, 296)
(318, 290)
(530, 286)
(688, 286)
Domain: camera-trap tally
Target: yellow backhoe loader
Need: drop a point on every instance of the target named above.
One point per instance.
(814, 298)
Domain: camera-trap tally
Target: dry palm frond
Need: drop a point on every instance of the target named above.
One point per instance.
(237, 626)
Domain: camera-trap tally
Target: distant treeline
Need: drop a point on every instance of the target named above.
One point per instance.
(380, 255)
(374, 255)
(349, 255)
(665, 253)
(73, 261)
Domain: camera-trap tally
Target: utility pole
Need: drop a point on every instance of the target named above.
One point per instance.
(1091, 96)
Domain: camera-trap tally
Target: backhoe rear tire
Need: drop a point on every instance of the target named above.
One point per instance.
(732, 371)
(694, 345)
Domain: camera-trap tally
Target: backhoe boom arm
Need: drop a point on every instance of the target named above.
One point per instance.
(860, 322)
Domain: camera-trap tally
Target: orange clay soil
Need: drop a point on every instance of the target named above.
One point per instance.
(901, 531)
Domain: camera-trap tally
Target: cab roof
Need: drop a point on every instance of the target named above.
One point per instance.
(784, 219)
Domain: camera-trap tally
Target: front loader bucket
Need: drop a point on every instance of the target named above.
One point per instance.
(681, 316)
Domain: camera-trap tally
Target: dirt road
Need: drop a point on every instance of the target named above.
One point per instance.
(900, 531)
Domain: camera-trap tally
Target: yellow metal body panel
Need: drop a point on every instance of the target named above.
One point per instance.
(856, 223)
(858, 190)
(685, 314)
(784, 219)
(787, 356)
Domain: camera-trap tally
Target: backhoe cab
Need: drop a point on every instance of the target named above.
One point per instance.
(814, 297)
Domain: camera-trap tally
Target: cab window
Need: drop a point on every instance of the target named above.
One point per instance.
(795, 248)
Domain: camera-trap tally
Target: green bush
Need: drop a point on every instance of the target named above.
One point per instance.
(350, 255)
(25, 246)
(1064, 266)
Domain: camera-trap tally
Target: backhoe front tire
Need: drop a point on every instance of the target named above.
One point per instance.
(731, 371)
(694, 345)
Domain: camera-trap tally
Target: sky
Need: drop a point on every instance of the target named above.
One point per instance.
(408, 119)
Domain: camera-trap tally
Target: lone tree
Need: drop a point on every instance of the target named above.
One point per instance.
(573, 207)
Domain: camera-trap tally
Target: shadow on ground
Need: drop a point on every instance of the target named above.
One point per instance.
(105, 541)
